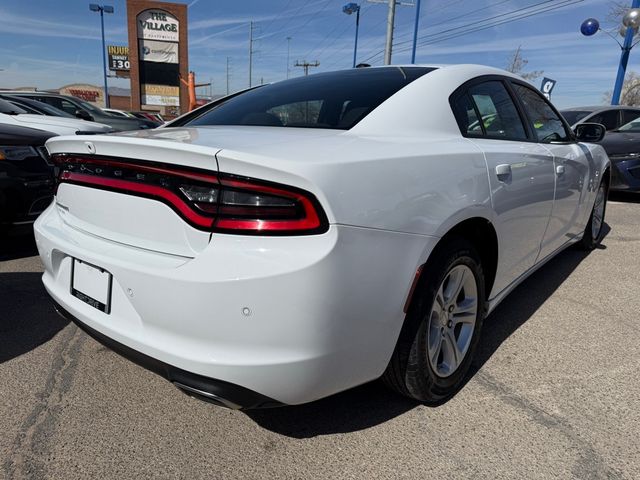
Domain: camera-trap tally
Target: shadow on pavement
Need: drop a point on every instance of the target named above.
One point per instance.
(27, 318)
(627, 197)
(17, 244)
(372, 404)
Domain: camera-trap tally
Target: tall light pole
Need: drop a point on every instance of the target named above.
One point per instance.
(415, 32)
(94, 7)
(350, 8)
(629, 27)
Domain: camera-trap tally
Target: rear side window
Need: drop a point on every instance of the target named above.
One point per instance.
(336, 100)
(608, 118)
(547, 125)
(499, 117)
(465, 113)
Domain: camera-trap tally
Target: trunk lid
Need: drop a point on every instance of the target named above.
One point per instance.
(127, 218)
(151, 224)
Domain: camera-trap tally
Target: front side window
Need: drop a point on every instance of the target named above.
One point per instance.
(629, 116)
(608, 118)
(547, 125)
(498, 114)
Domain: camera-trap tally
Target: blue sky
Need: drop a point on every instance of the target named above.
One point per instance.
(49, 43)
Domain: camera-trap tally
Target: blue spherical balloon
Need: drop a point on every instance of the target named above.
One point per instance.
(589, 27)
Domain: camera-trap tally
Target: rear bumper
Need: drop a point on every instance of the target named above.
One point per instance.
(208, 389)
(290, 319)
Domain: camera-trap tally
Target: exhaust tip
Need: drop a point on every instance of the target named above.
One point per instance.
(207, 396)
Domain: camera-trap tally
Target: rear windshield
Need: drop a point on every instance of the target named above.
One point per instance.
(574, 116)
(335, 100)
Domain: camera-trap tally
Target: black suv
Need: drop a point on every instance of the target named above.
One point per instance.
(26, 176)
(86, 111)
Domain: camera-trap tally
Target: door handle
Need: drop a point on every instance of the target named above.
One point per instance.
(503, 171)
(560, 170)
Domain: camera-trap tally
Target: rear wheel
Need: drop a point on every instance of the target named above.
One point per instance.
(441, 330)
(594, 230)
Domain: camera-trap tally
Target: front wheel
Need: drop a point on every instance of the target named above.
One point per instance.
(594, 230)
(441, 330)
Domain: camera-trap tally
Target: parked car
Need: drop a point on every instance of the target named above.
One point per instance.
(623, 148)
(154, 117)
(35, 107)
(11, 114)
(611, 116)
(317, 233)
(26, 176)
(86, 111)
(117, 113)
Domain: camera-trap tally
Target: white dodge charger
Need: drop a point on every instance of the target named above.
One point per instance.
(301, 238)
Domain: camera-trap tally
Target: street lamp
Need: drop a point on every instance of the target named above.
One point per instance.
(629, 27)
(94, 7)
(350, 8)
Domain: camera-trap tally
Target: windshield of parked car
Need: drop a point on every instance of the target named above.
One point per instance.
(574, 116)
(88, 106)
(336, 100)
(631, 126)
(10, 108)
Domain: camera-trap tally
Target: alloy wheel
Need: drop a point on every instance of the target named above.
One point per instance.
(452, 320)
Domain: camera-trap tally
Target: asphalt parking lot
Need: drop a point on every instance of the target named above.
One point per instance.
(554, 393)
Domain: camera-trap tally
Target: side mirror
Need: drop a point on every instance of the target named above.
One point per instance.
(84, 115)
(590, 132)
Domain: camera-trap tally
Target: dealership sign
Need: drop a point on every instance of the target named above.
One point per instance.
(118, 57)
(158, 25)
(547, 87)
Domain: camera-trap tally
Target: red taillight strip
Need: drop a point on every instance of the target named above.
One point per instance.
(147, 190)
(311, 220)
(202, 177)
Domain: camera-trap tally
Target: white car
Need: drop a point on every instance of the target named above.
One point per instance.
(308, 236)
(11, 114)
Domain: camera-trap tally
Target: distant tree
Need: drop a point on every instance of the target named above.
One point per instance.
(617, 9)
(630, 94)
(516, 64)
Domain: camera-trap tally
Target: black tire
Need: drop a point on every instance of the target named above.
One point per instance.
(410, 372)
(589, 240)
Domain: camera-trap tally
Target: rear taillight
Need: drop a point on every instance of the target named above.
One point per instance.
(212, 202)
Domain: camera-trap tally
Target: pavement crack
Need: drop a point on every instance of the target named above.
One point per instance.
(26, 459)
(589, 465)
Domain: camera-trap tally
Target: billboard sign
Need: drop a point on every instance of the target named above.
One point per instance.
(118, 57)
(158, 25)
(160, 95)
(160, 52)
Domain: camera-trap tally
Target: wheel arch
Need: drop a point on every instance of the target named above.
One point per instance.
(481, 233)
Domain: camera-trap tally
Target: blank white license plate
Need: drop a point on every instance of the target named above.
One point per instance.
(91, 284)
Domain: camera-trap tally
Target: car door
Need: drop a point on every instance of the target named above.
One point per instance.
(521, 174)
(570, 166)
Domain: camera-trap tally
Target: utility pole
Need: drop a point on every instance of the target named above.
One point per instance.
(227, 75)
(306, 65)
(288, 52)
(250, 51)
(391, 20)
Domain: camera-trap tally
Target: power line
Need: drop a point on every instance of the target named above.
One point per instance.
(477, 25)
